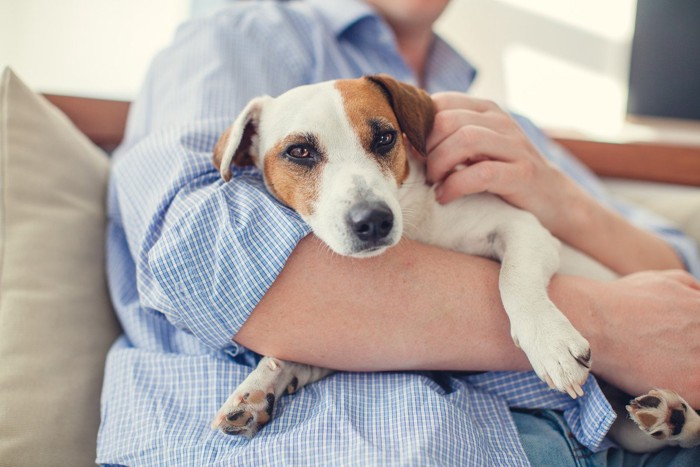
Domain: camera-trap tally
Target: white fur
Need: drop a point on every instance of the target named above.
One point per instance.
(349, 174)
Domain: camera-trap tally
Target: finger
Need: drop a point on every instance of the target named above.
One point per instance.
(449, 121)
(488, 176)
(683, 277)
(459, 100)
(465, 146)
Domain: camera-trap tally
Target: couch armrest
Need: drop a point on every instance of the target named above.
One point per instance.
(103, 121)
(679, 204)
(655, 162)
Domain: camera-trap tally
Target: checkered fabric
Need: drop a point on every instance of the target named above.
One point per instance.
(189, 257)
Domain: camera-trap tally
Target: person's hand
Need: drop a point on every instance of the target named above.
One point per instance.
(647, 333)
(477, 147)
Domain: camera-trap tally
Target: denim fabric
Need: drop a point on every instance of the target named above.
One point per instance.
(548, 441)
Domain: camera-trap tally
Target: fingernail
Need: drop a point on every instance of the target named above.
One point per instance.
(438, 191)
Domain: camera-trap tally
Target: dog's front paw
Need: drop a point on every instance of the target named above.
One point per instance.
(559, 354)
(664, 415)
(250, 407)
(244, 413)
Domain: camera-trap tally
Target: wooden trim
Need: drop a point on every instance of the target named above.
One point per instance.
(102, 120)
(640, 161)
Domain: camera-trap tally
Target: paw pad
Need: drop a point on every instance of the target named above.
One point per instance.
(661, 414)
(244, 414)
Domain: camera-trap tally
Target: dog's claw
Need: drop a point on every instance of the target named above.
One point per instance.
(218, 420)
(549, 382)
(559, 354)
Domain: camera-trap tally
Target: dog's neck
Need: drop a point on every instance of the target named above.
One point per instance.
(415, 195)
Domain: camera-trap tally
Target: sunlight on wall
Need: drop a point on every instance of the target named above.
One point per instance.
(613, 20)
(96, 48)
(563, 63)
(573, 95)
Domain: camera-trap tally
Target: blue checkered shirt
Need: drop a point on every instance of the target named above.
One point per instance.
(189, 257)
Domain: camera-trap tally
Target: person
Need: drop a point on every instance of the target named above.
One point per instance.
(205, 275)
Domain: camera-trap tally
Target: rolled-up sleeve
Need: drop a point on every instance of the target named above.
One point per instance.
(205, 251)
(684, 246)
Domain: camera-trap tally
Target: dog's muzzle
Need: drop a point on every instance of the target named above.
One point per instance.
(371, 223)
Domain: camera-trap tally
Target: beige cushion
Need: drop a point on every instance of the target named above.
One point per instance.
(679, 204)
(56, 322)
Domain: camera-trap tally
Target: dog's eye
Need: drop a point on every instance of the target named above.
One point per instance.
(386, 138)
(384, 141)
(299, 152)
(303, 154)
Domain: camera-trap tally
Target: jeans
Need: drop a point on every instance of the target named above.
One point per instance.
(548, 441)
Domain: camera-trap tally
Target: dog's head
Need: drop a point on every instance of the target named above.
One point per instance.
(335, 153)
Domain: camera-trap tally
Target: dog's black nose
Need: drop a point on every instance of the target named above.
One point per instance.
(371, 221)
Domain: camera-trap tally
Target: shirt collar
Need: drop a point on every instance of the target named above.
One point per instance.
(446, 69)
(342, 14)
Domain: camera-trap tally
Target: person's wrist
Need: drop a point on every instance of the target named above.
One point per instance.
(584, 302)
(577, 214)
(600, 304)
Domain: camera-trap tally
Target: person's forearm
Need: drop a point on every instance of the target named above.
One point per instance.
(418, 307)
(414, 307)
(608, 237)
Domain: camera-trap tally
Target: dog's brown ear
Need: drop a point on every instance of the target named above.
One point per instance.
(413, 107)
(237, 145)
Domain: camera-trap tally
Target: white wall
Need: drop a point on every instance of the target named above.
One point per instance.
(560, 61)
(95, 48)
(564, 63)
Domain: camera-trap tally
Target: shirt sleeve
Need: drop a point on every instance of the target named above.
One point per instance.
(684, 246)
(206, 251)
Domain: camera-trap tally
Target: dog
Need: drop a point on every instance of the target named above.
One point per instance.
(335, 153)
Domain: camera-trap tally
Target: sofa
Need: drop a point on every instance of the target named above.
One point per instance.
(56, 321)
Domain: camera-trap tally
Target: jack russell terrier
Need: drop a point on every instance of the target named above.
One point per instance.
(335, 153)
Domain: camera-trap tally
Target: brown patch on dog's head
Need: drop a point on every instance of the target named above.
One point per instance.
(373, 112)
(294, 184)
(413, 107)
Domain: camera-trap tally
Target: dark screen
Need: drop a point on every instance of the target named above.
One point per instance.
(665, 66)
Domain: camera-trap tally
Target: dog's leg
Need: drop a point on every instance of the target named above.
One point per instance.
(485, 225)
(250, 406)
(529, 257)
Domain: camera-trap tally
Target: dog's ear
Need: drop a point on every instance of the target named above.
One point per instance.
(238, 144)
(413, 107)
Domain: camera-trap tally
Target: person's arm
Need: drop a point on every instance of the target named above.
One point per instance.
(421, 307)
(206, 251)
(607, 236)
(502, 159)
